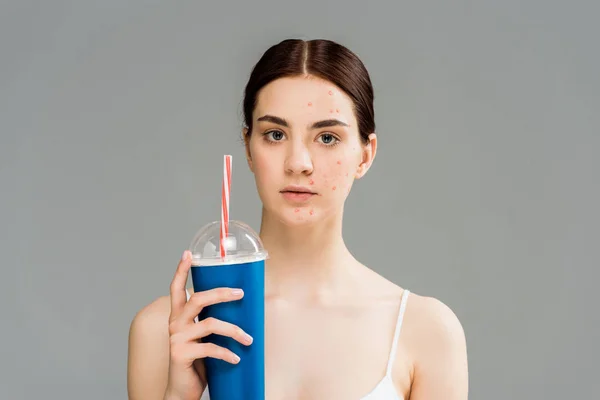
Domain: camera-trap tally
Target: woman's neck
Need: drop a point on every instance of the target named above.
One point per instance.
(307, 263)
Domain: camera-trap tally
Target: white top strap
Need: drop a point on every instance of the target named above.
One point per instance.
(392, 356)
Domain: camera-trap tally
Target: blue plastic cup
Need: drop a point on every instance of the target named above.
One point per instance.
(243, 267)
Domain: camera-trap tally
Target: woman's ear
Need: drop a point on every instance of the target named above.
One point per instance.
(246, 138)
(369, 151)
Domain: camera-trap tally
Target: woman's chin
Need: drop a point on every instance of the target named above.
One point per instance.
(297, 216)
(297, 219)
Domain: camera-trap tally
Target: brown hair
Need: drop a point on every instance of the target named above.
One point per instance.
(321, 58)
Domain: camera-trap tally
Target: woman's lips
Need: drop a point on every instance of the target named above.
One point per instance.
(297, 197)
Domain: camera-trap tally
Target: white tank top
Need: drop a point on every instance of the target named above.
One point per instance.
(385, 389)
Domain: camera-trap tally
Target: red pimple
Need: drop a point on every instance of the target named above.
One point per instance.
(337, 110)
(309, 104)
(331, 111)
(330, 93)
(333, 188)
(346, 174)
(339, 162)
(312, 212)
(297, 210)
(311, 182)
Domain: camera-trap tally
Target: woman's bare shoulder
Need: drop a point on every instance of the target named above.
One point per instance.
(428, 321)
(435, 339)
(155, 312)
(148, 352)
(150, 325)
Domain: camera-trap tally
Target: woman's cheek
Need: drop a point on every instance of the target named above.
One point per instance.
(263, 170)
(338, 181)
(343, 177)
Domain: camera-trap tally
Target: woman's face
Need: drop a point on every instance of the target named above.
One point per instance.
(305, 150)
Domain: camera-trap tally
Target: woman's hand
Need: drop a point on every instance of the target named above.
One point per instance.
(187, 377)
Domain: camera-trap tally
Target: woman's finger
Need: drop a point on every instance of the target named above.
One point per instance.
(178, 293)
(195, 351)
(199, 300)
(210, 326)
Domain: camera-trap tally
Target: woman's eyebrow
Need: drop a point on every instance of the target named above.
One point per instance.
(317, 125)
(327, 123)
(275, 120)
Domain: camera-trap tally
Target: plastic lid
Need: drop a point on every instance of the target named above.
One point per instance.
(242, 245)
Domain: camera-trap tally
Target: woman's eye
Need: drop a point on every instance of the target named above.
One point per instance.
(275, 136)
(328, 139)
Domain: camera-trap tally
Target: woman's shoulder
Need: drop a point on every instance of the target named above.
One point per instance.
(423, 312)
(151, 322)
(157, 311)
(425, 317)
(434, 337)
(431, 319)
(427, 320)
(148, 348)
(431, 343)
(431, 310)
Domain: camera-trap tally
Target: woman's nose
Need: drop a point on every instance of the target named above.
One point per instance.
(298, 160)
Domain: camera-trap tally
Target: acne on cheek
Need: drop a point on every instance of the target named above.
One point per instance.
(338, 176)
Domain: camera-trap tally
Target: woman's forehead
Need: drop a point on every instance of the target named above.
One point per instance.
(302, 97)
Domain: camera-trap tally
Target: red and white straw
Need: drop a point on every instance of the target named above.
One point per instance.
(225, 191)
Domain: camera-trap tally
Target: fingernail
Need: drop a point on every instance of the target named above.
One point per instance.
(236, 358)
(185, 255)
(237, 292)
(247, 338)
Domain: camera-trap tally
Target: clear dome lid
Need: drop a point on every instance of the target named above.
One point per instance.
(242, 245)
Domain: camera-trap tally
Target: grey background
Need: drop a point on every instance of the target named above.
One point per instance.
(115, 116)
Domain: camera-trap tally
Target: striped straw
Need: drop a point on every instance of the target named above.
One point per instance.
(225, 190)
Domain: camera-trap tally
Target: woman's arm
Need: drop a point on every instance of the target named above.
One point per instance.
(148, 358)
(440, 371)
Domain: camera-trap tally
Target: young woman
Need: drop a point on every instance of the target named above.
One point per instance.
(334, 328)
